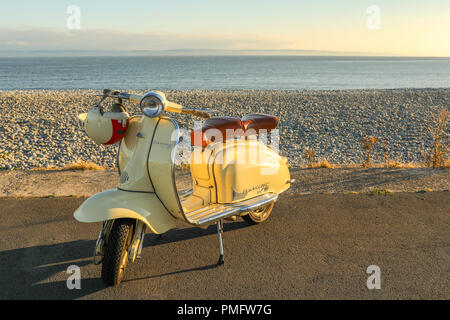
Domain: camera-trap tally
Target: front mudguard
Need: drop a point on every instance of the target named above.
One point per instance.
(115, 204)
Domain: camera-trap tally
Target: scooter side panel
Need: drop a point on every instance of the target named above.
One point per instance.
(244, 169)
(115, 204)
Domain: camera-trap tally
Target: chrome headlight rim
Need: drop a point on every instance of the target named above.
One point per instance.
(157, 110)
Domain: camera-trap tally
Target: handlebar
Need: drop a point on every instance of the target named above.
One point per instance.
(169, 106)
(107, 93)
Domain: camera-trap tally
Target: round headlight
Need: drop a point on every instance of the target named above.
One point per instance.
(152, 104)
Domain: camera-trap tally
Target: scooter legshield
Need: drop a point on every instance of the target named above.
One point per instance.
(115, 204)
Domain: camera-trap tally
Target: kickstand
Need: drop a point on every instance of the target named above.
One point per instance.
(220, 232)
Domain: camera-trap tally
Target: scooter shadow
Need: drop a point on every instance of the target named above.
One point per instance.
(176, 235)
(182, 234)
(26, 270)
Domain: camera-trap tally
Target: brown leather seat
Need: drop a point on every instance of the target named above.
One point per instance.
(216, 129)
(259, 121)
(223, 128)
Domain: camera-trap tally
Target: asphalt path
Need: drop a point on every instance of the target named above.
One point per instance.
(315, 246)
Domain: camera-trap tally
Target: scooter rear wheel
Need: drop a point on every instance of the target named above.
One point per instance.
(115, 258)
(259, 215)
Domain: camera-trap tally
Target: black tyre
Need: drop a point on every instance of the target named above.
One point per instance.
(116, 254)
(259, 215)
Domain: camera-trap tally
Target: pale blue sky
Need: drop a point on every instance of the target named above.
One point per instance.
(411, 27)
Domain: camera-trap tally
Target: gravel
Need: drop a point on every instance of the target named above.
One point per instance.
(40, 128)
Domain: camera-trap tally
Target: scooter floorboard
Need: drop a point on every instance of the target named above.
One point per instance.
(216, 212)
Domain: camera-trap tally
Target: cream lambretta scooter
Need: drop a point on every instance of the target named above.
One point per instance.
(233, 174)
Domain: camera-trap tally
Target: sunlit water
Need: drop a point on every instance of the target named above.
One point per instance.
(221, 72)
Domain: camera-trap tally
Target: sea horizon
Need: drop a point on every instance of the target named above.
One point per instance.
(228, 72)
(204, 53)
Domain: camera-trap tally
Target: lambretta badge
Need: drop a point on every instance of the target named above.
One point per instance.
(162, 144)
(241, 195)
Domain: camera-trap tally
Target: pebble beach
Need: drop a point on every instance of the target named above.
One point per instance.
(39, 128)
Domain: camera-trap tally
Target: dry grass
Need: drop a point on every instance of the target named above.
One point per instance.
(369, 145)
(183, 166)
(3, 156)
(310, 156)
(382, 192)
(83, 165)
(79, 165)
(398, 164)
(390, 164)
(321, 164)
(425, 190)
(436, 156)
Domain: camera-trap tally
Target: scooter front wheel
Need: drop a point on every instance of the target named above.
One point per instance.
(115, 258)
(259, 215)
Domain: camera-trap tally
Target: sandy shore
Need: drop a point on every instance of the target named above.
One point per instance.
(40, 128)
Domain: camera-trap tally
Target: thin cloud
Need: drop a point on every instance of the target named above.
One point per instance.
(46, 39)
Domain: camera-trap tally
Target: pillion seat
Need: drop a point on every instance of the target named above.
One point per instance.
(217, 129)
(259, 121)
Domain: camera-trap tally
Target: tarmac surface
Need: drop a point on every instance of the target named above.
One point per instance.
(315, 246)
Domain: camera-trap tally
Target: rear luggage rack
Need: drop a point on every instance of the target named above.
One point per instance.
(215, 212)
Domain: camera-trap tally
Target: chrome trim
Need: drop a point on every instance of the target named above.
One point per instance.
(117, 157)
(141, 244)
(202, 113)
(195, 109)
(259, 204)
(204, 218)
(208, 211)
(174, 184)
(213, 213)
(102, 239)
(220, 231)
(186, 193)
(219, 216)
(139, 231)
(124, 95)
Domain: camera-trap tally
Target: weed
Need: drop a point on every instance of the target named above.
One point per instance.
(425, 190)
(436, 156)
(3, 156)
(324, 164)
(80, 165)
(377, 192)
(368, 144)
(310, 155)
(83, 165)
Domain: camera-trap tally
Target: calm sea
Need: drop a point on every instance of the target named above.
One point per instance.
(223, 72)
